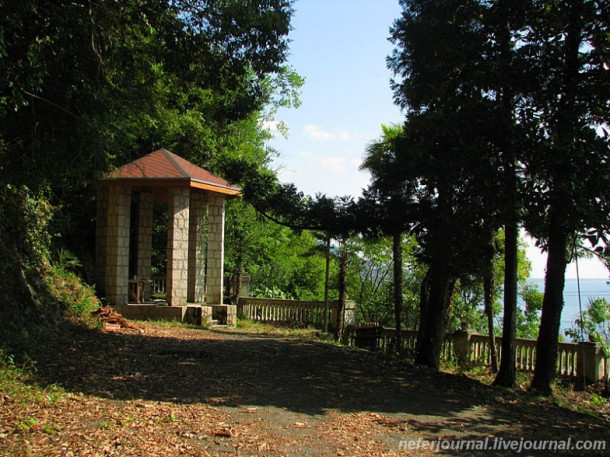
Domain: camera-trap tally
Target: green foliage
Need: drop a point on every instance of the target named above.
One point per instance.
(89, 87)
(528, 319)
(35, 289)
(66, 286)
(414, 275)
(159, 239)
(24, 218)
(132, 76)
(448, 166)
(468, 305)
(24, 257)
(266, 292)
(369, 280)
(280, 261)
(385, 204)
(595, 324)
(76, 297)
(66, 261)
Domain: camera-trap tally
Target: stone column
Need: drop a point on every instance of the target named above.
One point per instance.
(101, 224)
(461, 345)
(590, 364)
(117, 245)
(145, 226)
(215, 251)
(178, 245)
(197, 248)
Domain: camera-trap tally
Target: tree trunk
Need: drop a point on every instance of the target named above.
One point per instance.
(489, 287)
(552, 304)
(237, 282)
(397, 254)
(342, 293)
(326, 276)
(435, 304)
(507, 375)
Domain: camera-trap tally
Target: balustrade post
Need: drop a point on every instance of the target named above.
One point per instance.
(590, 362)
(461, 345)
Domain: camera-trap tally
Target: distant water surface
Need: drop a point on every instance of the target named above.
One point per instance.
(589, 289)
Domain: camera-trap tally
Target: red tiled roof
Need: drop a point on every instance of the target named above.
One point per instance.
(163, 165)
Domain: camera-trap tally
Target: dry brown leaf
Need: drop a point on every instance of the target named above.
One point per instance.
(222, 432)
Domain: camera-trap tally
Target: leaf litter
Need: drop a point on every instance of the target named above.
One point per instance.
(165, 390)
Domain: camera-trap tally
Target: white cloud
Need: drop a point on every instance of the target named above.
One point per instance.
(316, 133)
(333, 163)
(305, 153)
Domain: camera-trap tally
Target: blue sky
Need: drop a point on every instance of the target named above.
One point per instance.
(340, 48)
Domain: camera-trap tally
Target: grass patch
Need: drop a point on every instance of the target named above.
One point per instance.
(173, 324)
(17, 385)
(267, 328)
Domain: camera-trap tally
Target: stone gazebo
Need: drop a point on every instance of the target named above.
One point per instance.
(195, 239)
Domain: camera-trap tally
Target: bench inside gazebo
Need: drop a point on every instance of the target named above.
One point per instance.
(195, 200)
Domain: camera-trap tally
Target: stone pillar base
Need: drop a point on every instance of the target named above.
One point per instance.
(590, 363)
(206, 315)
(224, 314)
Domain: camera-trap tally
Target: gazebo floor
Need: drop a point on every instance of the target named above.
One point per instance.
(192, 313)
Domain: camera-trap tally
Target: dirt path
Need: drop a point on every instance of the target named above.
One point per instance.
(180, 391)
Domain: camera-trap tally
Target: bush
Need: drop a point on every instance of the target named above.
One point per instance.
(35, 291)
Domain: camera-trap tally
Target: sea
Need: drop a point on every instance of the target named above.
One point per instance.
(590, 289)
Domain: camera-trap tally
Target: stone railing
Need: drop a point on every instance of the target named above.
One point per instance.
(478, 352)
(159, 285)
(468, 347)
(301, 312)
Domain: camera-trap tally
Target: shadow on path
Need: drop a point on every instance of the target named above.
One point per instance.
(188, 366)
